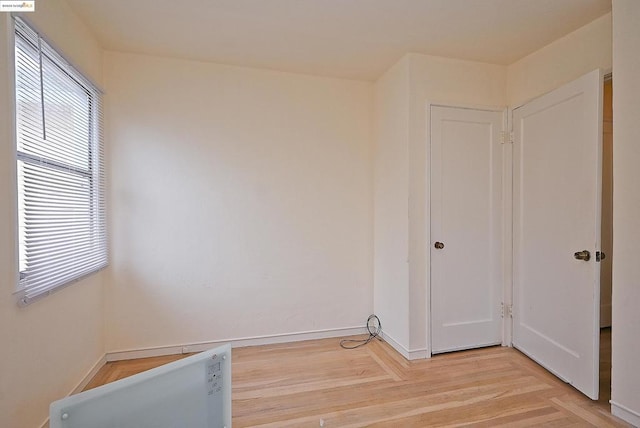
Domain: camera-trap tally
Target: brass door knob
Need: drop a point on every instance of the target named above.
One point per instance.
(582, 255)
(439, 245)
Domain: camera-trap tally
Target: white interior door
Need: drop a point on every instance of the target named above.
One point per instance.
(466, 272)
(557, 192)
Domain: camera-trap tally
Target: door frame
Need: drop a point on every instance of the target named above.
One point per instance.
(507, 253)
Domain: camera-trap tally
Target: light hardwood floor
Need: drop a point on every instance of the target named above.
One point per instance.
(298, 384)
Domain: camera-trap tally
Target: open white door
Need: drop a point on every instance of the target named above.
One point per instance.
(557, 207)
(466, 219)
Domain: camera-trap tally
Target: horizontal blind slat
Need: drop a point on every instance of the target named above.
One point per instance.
(46, 284)
(60, 257)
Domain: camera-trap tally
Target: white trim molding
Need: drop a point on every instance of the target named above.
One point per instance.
(409, 354)
(90, 375)
(157, 351)
(625, 413)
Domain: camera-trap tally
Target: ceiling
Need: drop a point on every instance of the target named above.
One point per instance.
(356, 39)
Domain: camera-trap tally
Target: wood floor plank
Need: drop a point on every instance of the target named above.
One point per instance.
(298, 384)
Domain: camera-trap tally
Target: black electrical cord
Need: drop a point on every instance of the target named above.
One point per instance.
(374, 327)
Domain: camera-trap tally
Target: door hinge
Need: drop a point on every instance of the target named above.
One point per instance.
(506, 137)
(506, 310)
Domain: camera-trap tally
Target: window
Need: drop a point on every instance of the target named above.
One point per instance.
(61, 202)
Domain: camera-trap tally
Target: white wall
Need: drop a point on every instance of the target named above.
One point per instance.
(625, 376)
(560, 62)
(401, 171)
(49, 346)
(391, 203)
(240, 202)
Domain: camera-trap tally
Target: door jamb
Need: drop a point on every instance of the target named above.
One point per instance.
(507, 230)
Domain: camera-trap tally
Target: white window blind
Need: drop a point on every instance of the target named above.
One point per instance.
(61, 201)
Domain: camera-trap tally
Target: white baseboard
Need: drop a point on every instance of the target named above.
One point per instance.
(409, 354)
(90, 374)
(83, 382)
(158, 351)
(625, 413)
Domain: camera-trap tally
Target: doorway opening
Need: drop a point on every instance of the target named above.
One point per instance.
(606, 242)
